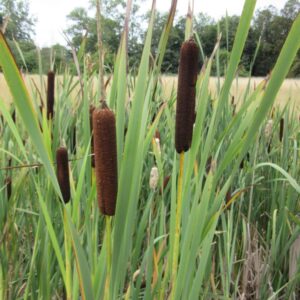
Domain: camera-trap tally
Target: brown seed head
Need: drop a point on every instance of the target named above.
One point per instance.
(63, 172)
(185, 111)
(50, 95)
(281, 129)
(105, 159)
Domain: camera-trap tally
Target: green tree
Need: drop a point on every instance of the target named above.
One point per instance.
(21, 23)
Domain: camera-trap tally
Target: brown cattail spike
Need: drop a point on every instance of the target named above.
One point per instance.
(281, 129)
(50, 94)
(92, 108)
(63, 172)
(187, 77)
(105, 159)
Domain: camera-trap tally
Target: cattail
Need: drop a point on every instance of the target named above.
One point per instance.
(105, 159)
(185, 111)
(281, 129)
(92, 108)
(153, 181)
(8, 183)
(63, 172)
(50, 95)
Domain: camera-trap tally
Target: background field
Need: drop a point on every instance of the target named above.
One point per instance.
(289, 91)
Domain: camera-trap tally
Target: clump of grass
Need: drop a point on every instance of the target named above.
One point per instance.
(105, 159)
(50, 95)
(63, 172)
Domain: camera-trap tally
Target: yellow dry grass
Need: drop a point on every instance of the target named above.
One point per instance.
(290, 90)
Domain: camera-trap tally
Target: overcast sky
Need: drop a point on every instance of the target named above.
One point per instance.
(51, 14)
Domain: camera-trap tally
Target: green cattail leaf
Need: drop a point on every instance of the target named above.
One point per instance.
(83, 269)
(289, 178)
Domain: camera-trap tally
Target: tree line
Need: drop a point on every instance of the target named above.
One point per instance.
(268, 31)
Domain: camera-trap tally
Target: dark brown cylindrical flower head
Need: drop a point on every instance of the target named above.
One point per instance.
(92, 108)
(186, 93)
(63, 172)
(50, 94)
(105, 159)
(281, 129)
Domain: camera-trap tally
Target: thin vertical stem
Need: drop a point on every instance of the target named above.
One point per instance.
(108, 255)
(68, 284)
(177, 226)
(100, 52)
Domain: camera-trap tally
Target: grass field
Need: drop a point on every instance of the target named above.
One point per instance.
(289, 91)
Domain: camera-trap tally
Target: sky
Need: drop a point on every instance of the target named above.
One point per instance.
(51, 14)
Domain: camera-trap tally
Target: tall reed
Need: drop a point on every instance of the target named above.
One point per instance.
(105, 147)
(185, 118)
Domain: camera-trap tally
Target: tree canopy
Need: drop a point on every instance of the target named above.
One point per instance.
(267, 33)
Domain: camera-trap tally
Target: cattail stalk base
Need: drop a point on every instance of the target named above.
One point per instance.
(108, 256)
(177, 227)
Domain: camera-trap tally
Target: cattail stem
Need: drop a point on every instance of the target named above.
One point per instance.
(68, 284)
(108, 256)
(177, 227)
